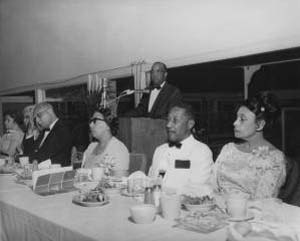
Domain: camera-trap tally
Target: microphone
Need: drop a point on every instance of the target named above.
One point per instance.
(130, 92)
(127, 92)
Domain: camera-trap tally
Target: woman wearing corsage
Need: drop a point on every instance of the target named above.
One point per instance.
(252, 166)
(106, 151)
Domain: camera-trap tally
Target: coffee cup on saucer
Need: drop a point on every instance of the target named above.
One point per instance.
(237, 206)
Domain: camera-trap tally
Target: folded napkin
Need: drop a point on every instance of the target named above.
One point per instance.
(37, 174)
(44, 165)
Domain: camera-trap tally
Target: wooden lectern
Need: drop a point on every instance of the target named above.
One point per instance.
(142, 135)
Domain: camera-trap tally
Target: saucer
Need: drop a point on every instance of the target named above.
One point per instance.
(125, 193)
(77, 200)
(242, 219)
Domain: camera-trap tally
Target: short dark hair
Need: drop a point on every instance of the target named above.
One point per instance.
(15, 115)
(109, 119)
(188, 109)
(162, 64)
(265, 106)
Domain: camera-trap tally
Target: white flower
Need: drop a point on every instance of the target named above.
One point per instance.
(260, 158)
(108, 163)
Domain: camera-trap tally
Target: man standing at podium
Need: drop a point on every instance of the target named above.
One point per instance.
(161, 98)
(184, 163)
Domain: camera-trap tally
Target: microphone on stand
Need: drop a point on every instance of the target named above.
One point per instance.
(130, 92)
(127, 92)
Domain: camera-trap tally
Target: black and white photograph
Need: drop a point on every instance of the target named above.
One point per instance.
(149, 120)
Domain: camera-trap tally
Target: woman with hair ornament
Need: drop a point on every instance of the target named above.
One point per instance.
(253, 165)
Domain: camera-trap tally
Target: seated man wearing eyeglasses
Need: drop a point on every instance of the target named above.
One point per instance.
(106, 151)
(55, 141)
(184, 162)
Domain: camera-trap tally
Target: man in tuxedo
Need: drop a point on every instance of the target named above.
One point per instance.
(184, 162)
(55, 142)
(161, 98)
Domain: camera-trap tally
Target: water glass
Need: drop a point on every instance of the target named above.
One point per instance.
(237, 206)
(170, 205)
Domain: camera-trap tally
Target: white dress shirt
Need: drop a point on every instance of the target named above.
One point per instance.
(153, 95)
(47, 132)
(200, 157)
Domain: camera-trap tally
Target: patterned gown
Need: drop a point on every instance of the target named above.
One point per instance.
(260, 174)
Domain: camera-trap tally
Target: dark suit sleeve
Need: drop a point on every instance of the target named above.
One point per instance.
(141, 110)
(61, 147)
(56, 147)
(167, 98)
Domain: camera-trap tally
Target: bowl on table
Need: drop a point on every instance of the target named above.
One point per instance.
(143, 213)
(205, 207)
(200, 204)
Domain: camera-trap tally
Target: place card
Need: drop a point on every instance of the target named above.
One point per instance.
(52, 181)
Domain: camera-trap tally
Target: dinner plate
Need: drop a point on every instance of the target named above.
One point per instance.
(77, 200)
(6, 173)
(124, 192)
(242, 219)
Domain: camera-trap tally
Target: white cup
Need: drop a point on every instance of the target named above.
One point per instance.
(237, 206)
(97, 173)
(2, 161)
(24, 160)
(170, 205)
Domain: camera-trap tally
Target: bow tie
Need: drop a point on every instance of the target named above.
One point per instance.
(176, 144)
(156, 87)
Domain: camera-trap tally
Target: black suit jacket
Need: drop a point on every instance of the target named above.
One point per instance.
(57, 146)
(167, 97)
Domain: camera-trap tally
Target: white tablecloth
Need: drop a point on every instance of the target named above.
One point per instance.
(27, 216)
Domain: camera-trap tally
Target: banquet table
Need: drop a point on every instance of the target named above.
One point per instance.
(28, 216)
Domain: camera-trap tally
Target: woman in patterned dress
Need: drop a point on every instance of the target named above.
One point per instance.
(106, 151)
(253, 166)
(11, 141)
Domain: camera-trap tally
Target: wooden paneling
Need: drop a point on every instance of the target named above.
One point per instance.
(142, 135)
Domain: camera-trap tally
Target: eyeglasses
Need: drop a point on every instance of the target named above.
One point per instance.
(39, 114)
(93, 120)
(158, 71)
